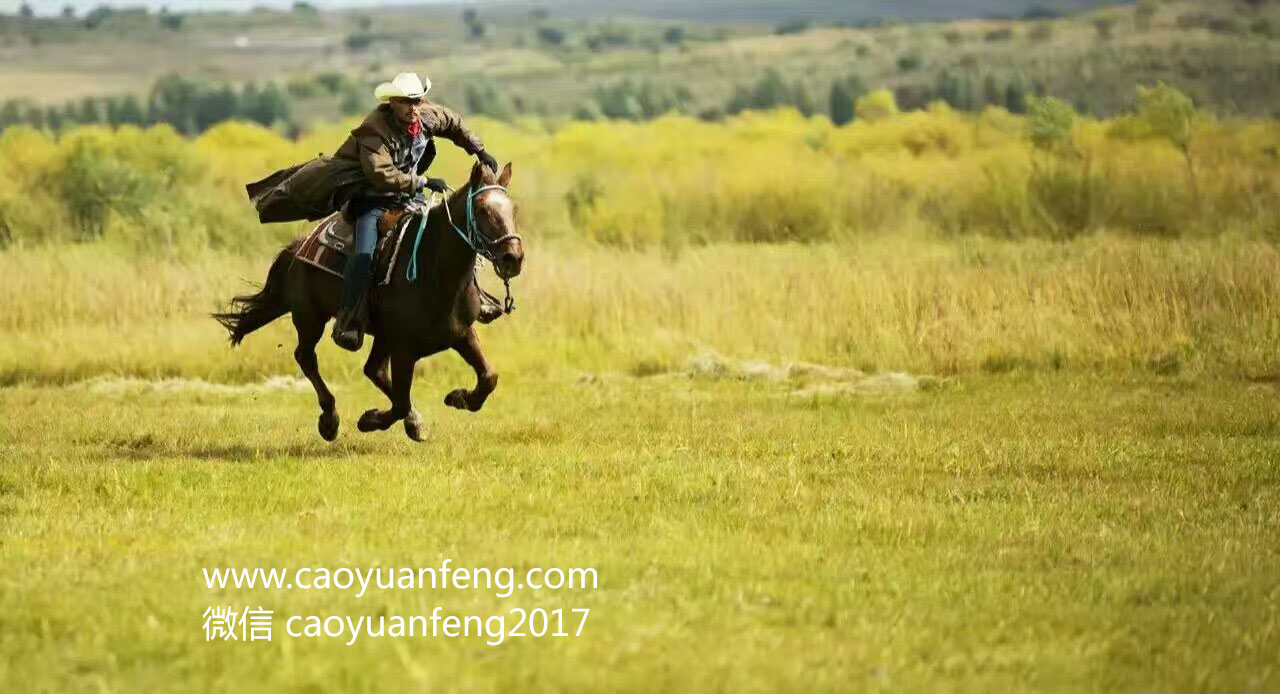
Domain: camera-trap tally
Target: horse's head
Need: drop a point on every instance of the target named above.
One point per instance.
(495, 219)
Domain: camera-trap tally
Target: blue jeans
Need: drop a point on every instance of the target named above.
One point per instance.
(359, 269)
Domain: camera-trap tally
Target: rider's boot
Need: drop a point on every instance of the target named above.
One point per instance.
(348, 329)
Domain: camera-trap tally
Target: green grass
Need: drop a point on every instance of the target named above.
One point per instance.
(1051, 532)
(1078, 487)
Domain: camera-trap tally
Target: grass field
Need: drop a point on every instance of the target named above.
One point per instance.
(1043, 532)
(928, 307)
(1017, 465)
(926, 402)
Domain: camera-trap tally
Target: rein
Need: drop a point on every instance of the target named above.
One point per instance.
(470, 235)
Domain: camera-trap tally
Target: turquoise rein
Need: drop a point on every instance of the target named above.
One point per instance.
(471, 236)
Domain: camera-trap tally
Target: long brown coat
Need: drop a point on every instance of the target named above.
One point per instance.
(363, 164)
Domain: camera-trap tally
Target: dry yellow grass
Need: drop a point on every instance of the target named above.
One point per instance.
(915, 305)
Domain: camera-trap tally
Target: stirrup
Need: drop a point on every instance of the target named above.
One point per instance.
(351, 339)
(348, 333)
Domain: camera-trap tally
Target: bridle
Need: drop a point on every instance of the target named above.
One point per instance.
(470, 235)
(479, 243)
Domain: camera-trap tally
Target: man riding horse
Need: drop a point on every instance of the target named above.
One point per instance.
(383, 160)
(428, 300)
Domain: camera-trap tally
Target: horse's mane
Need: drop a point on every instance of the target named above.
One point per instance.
(441, 208)
(487, 178)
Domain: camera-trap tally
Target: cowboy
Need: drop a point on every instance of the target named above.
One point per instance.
(384, 158)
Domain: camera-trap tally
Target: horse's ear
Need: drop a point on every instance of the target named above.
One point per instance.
(477, 175)
(505, 177)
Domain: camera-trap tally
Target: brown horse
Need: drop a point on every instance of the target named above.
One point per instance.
(409, 319)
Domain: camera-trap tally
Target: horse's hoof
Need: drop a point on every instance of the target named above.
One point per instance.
(369, 421)
(328, 425)
(457, 399)
(414, 428)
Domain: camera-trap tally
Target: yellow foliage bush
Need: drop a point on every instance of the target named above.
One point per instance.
(876, 106)
(761, 176)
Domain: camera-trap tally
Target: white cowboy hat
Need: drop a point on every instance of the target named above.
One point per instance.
(406, 85)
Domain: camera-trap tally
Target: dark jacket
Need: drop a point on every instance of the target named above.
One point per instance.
(364, 165)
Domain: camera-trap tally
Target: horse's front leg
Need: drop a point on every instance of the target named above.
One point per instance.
(401, 405)
(376, 370)
(486, 379)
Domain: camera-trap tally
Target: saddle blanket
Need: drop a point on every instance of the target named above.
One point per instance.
(329, 244)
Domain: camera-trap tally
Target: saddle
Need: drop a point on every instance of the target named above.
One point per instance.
(329, 243)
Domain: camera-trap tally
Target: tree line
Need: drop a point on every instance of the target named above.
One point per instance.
(193, 106)
(190, 106)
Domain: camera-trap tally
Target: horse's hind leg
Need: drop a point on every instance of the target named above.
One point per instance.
(310, 331)
(376, 370)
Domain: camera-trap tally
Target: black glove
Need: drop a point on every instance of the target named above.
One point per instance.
(488, 160)
(437, 185)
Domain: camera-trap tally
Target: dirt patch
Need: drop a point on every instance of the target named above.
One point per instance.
(807, 379)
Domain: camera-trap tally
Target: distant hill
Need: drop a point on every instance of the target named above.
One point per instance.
(704, 10)
(587, 60)
(827, 11)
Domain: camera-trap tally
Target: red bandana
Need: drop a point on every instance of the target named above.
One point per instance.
(414, 128)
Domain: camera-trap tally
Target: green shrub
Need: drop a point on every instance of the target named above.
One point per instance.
(999, 34)
(358, 40)
(876, 106)
(1105, 26)
(910, 62)
(93, 184)
(1266, 26)
(1050, 122)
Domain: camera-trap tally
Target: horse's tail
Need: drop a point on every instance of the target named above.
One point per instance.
(252, 311)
